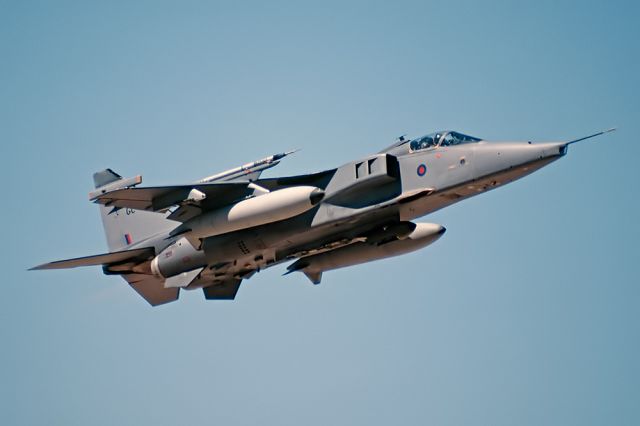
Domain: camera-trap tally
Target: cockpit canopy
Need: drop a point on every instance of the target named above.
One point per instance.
(446, 138)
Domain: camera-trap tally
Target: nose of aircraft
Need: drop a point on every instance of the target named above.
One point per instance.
(513, 154)
(516, 159)
(552, 149)
(497, 163)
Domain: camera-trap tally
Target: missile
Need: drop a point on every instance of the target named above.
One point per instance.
(259, 210)
(246, 169)
(313, 266)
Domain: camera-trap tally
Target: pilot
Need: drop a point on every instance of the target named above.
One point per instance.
(426, 142)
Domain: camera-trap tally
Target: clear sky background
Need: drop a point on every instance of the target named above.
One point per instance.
(525, 313)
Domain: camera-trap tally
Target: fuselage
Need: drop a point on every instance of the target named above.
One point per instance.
(363, 198)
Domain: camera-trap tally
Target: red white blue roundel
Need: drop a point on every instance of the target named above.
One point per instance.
(421, 170)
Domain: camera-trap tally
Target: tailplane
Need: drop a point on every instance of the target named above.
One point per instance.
(128, 234)
(117, 258)
(124, 227)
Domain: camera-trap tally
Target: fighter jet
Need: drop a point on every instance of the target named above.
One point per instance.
(218, 231)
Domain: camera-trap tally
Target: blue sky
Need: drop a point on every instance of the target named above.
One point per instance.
(525, 312)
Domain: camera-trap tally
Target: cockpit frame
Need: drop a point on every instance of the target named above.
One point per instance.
(442, 138)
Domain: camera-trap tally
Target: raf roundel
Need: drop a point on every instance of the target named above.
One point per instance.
(422, 170)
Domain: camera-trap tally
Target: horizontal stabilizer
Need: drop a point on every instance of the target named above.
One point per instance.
(152, 289)
(225, 290)
(140, 254)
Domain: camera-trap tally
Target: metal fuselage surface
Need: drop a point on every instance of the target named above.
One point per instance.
(364, 196)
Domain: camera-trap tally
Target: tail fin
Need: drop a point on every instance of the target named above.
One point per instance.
(125, 227)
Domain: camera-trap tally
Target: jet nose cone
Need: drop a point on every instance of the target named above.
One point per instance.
(316, 196)
(554, 149)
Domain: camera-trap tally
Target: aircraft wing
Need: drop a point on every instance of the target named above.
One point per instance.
(151, 288)
(195, 198)
(158, 198)
(206, 194)
(154, 291)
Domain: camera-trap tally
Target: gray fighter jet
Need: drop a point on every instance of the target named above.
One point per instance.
(220, 230)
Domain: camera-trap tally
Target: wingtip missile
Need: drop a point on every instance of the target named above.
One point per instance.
(257, 166)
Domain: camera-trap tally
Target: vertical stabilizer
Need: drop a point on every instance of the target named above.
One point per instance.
(123, 226)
